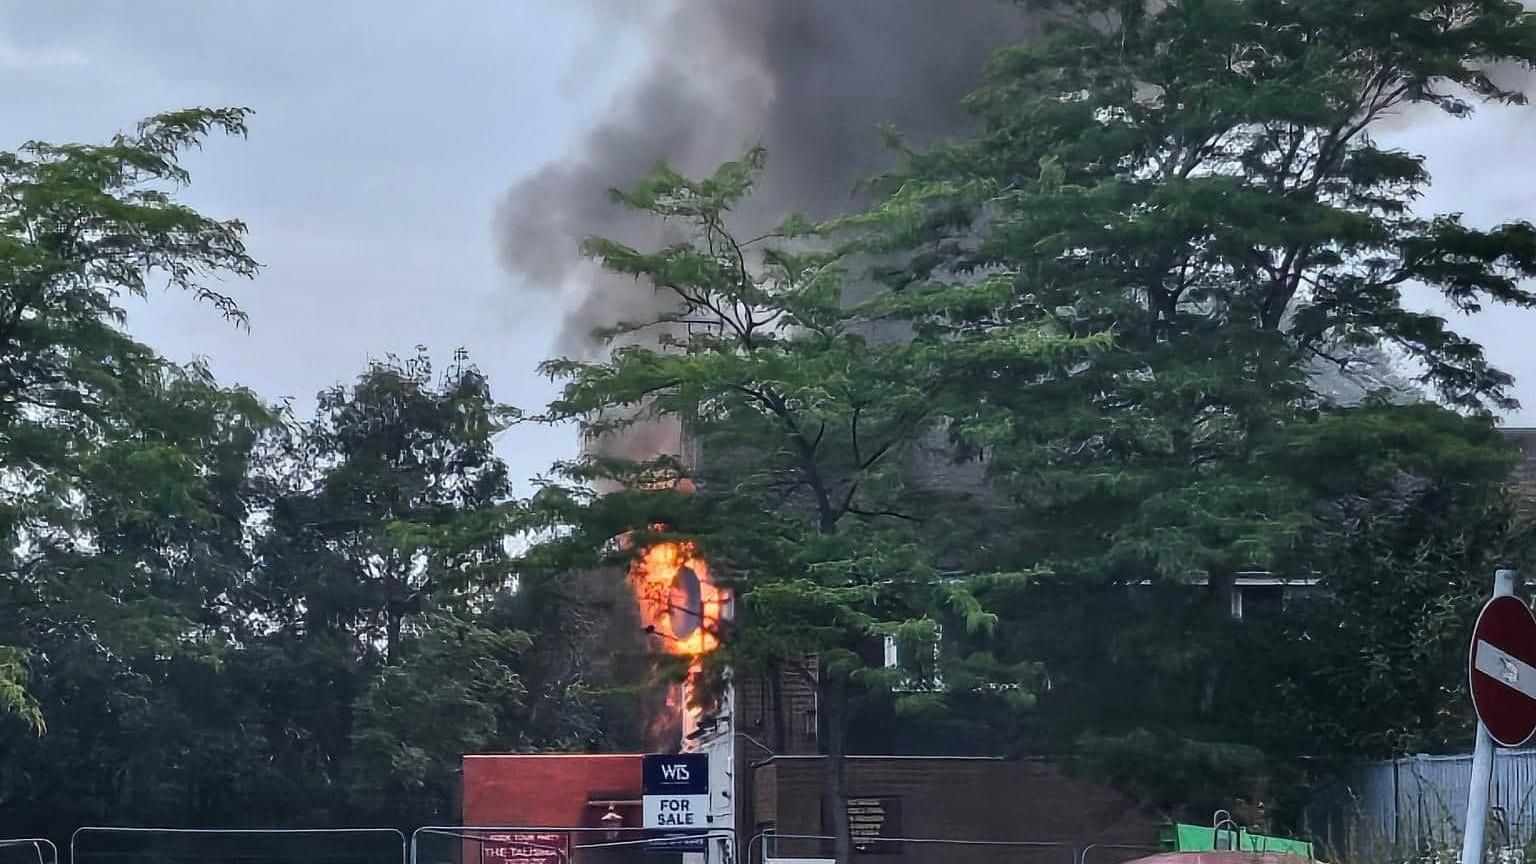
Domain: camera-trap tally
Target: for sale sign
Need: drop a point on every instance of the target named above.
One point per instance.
(675, 792)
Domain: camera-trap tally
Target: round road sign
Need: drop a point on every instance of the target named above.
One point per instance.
(1502, 670)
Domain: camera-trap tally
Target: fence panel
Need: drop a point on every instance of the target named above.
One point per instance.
(28, 850)
(1113, 853)
(111, 845)
(1419, 803)
(915, 850)
(540, 844)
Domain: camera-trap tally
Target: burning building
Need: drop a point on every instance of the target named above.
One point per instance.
(683, 611)
(759, 735)
(813, 80)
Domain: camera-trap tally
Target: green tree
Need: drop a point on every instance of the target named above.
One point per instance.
(1406, 567)
(456, 690)
(1368, 663)
(125, 611)
(384, 524)
(803, 502)
(393, 505)
(1200, 179)
(81, 226)
(226, 616)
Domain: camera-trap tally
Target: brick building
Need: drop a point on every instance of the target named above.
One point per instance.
(905, 810)
(991, 803)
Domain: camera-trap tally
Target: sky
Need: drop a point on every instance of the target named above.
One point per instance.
(386, 134)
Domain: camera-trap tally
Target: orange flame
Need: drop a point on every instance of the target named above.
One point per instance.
(678, 602)
(682, 607)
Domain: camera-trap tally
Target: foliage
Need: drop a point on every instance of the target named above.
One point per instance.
(225, 616)
(1200, 180)
(392, 508)
(1116, 298)
(80, 226)
(1407, 573)
(14, 698)
(804, 504)
(452, 695)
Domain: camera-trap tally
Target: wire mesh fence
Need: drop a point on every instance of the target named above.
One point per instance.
(1113, 853)
(103, 845)
(28, 850)
(527, 844)
(772, 846)
(535, 844)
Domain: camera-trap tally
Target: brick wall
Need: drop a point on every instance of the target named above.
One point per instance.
(779, 711)
(548, 790)
(975, 799)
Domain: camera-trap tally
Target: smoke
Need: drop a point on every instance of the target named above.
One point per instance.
(812, 80)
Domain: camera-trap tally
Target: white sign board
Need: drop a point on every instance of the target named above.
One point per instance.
(676, 811)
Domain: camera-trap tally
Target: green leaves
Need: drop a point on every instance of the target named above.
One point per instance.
(114, 460)
(15, 701)
(455, 692)
(798, 416)
(398, 501)
(1128, 282)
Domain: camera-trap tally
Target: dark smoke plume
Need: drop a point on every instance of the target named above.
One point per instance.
(812, 80)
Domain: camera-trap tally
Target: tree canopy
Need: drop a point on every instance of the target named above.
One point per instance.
(802, 423)
(1200, 179)
(213, 613)
(1031, 419)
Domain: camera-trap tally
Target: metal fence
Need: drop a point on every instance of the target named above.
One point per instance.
(28, 850)
(914, 849)
(770, 845)
(1113, 853)
(534, 844)
(1420, 802)
(511, 844)
(114, 845)
(545, 844)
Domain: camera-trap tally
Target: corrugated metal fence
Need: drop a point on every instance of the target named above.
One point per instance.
(1420, 802)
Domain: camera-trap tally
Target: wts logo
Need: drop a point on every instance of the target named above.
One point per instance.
(675, 772)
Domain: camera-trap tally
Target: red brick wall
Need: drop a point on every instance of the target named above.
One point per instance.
(547, 789)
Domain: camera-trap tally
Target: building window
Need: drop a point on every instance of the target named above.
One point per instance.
(925, 675)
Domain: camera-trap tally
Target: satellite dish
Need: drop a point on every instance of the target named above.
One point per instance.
(685, 605)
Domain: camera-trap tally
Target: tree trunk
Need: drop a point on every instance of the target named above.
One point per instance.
(391, 636)
(1220, 591)
(832, 722)
(393, 614)
(779, 717)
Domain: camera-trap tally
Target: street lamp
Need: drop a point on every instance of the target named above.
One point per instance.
(612, 822)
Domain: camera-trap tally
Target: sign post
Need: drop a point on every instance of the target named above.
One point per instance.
(1501, 673)
(675, 799)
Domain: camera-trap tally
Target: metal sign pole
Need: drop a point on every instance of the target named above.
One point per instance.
(1472, 838)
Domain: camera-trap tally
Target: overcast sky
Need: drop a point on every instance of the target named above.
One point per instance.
(384, 134)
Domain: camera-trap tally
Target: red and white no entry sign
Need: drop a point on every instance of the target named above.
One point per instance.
(1502, 670)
